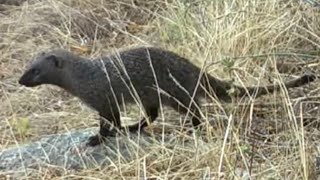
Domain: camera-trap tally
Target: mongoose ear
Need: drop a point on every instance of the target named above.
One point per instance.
(56, 60)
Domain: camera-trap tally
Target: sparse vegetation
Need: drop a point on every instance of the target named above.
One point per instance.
(246, 42)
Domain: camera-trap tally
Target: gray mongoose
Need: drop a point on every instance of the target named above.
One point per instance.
(135, 75)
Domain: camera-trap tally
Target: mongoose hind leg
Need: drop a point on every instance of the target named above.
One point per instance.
(183, 107)
(106, 130)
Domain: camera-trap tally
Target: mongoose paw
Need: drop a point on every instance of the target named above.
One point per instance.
(111, 133)
(100, 138)
(95, 140)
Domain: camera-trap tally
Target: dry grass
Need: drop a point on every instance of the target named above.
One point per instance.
(273, 137)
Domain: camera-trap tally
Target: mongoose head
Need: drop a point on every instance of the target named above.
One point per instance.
(46, 68)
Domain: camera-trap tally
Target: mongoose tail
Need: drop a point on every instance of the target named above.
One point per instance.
(221, 87)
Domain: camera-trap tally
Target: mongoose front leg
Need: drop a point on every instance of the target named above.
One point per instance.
(109, 125)
(152, 113)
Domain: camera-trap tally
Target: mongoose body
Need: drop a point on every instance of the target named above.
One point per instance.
(143, 75)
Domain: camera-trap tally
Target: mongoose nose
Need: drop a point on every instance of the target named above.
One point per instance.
(20, 81)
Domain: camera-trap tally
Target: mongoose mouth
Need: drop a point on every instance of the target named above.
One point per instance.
(21, 82)
(28, 83)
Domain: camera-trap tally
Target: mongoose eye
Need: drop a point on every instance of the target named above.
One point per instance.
(35, 71)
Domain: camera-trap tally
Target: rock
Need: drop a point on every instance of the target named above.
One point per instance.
(68, 151)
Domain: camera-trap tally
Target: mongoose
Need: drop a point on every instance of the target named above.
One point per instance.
(137, 75)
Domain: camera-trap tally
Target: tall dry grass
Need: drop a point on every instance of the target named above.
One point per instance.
(240, 41)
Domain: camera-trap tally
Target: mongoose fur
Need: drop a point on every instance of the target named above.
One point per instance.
(135, 75)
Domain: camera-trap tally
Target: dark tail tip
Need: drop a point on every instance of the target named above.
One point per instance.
(308, 78)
